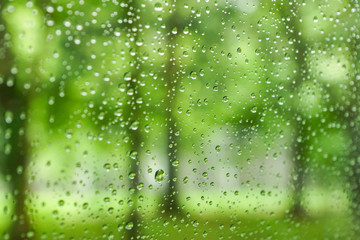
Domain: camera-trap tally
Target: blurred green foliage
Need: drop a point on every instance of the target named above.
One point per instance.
(247, 109)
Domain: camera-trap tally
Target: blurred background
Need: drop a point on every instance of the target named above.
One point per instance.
(159, 119)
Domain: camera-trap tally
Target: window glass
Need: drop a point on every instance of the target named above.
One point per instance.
(183, 119)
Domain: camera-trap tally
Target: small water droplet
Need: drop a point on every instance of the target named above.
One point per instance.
(61, 203)
(186, 30)
(161, 51)
(281, 100)
(9, 116)
(132, 175)
(239, 50)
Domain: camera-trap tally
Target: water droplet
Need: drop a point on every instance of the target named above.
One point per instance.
(85, 205)
(161, 51)
(201, 72)
(158, 7)
(68, 133)
(118, 112)
(193, 75)
(159, 175)
(101, 116)
(218, 148)
(134, 125)
(61, 203)
(281, 100)
(132, 175)
(186, 30)
(106, 78)
(127, 76)
(107, 166)
(9, 116)
(129, 225)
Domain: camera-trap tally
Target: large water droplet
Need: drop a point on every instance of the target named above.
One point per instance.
(218, 148)
(158, 7)
(129, 225)
(134, 125)
(159, 175)
(193, 75)
(127, 76)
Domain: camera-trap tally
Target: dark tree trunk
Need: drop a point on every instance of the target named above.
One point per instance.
(134, 217)
(299, 127)
(299, 151)
(15, 150)
(134, 117)
(353, 125)
(19, 186)
(171, 201)
(354, 171)
(136, 145)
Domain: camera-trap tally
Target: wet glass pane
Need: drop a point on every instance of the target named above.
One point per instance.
(179, 119)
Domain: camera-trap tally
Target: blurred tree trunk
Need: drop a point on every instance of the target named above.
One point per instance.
(171, 202)
(135, 144)
(354, 165)
(299, 156)
(289, 14)
(134, 114)
(16, 153)
(353, 121)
